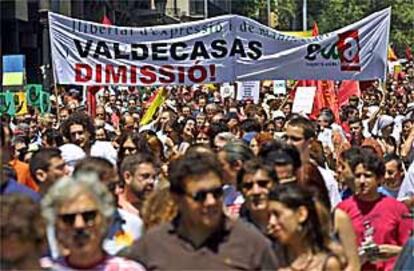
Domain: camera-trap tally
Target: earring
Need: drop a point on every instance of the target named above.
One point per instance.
(299, 228)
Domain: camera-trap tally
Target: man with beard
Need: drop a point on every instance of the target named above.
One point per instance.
(81, 210)
(79, 129)
(139, 172)
(201, 236)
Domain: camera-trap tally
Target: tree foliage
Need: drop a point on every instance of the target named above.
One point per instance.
(338, 13)
(334, 14)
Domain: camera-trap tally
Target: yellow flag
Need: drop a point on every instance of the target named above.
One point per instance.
(156, 103)
(300, 34)
(391, 54)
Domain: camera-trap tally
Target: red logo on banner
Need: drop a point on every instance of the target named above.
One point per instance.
(348, 48)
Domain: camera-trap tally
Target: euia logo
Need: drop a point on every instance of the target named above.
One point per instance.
(348, 48)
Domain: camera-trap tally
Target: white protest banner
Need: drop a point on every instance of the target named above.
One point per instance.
(215, 50)
(227, 90)
(248, 90)
(279, 87)
(303, 101)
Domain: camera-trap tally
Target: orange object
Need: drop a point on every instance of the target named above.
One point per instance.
(23, 174)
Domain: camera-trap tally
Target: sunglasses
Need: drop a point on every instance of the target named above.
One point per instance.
(201, 196)
(260, 183)
(87, 216)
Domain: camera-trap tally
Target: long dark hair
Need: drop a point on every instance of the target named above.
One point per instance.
(294, 196)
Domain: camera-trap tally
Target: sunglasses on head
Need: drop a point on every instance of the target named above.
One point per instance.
(260, 183)
(87, 216)
(201, 196)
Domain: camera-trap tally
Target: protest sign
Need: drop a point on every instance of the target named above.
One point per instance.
(33, 92)
(222, 49)
(227, 90)
(20, 103)
(279, 87)
(7, 103)
(13, 70)
(45, 103)
(248, 90)
(303, 101)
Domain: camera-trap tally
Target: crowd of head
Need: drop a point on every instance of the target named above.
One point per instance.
(210, 182)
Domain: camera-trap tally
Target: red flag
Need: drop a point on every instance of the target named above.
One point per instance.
(325, 96)
(315, 30)
(347, 89)
(408, 53)
(106, 20)
(91, 99)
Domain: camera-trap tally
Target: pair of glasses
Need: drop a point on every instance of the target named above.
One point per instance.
(201, 196)
(260, 183)
(87, 216)
(203, 138)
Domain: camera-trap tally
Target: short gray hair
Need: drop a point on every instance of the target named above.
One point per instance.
(237, 150)
(70, 187)
(226, 136)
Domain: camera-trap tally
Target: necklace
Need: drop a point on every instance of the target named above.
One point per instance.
(309, 260)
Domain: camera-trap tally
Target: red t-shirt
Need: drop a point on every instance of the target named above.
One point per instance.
(386, 217)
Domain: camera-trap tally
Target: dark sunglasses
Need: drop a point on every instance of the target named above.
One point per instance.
(87, 216)
(260, 183)
(201, 196)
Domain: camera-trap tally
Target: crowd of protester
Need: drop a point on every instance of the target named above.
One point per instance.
(210, 182)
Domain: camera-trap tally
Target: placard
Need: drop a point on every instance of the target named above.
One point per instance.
(248, 90)
(303, 101)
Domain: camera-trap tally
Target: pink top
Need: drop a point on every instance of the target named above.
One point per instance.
(385, 215)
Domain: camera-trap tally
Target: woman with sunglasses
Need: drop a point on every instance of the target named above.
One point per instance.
(295, 223)
(81, 209)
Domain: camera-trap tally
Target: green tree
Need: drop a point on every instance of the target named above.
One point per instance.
(339, 13)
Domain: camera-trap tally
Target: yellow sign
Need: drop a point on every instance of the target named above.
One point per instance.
(20, 103)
